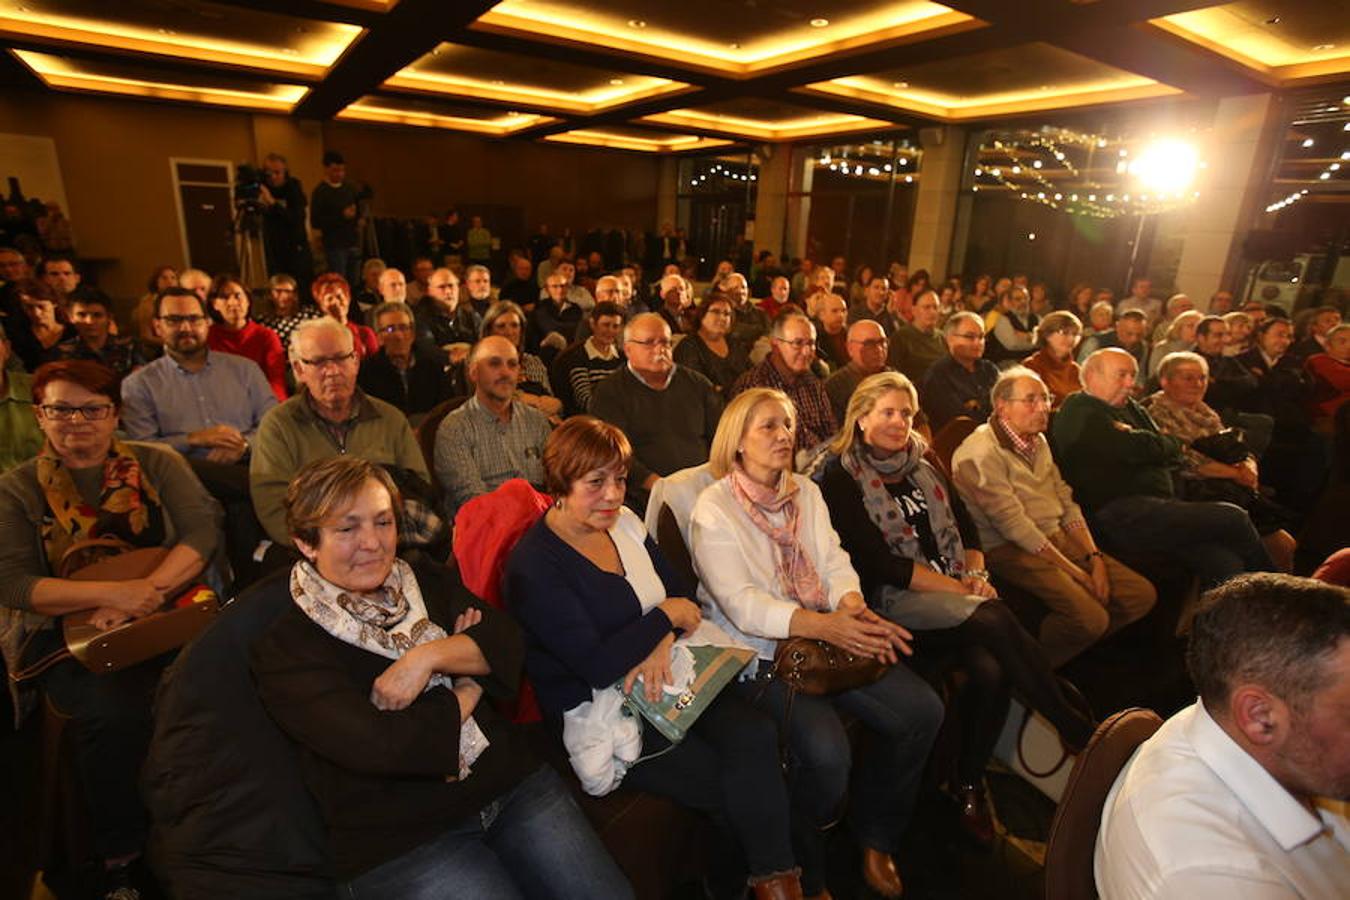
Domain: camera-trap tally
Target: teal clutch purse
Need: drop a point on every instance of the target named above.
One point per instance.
(675, 713)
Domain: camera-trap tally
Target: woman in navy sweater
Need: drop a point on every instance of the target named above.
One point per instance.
(601, 606)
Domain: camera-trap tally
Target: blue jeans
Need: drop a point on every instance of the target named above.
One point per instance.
(532, 841)
(1214, 540)
(903, 714)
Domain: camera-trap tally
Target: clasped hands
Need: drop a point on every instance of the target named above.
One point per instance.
(854, 627)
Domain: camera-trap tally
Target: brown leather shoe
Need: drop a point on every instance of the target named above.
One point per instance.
(783, 886)
(880, 874)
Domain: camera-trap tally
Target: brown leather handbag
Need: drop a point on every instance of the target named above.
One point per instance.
(181, 618)
(818, 668)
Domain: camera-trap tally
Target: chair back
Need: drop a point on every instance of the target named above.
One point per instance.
(1073, 833)
(426, 433)
(950, 436)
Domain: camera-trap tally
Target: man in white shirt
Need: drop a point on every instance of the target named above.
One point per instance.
(1232, 797)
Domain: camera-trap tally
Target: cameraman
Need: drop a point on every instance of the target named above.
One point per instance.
(334, 214)
(284, 239)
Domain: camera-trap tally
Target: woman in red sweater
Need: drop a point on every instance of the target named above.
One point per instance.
(1330, 373)
(234, 332)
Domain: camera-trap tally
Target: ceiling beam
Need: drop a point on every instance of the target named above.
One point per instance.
(403, 35)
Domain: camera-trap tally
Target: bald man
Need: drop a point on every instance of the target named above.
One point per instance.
(867, 348)
(492, 437)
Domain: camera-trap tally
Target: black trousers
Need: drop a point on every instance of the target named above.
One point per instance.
(228, 483)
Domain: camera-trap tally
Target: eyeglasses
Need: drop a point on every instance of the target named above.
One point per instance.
(339, 360)
(396, 328)
(94, 412)
(799, 344)
(654, 343)
(177, 321)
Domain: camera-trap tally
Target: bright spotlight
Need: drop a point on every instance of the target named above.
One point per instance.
(1166, 165)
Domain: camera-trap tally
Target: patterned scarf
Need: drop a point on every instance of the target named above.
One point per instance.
(388, 622)
(895, 517)
(128, 506)
(796, 573)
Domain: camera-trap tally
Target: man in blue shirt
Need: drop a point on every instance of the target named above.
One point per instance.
(206, 406)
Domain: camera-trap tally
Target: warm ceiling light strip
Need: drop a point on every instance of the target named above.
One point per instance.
(59, 74)
(499, 127)
(1270, 58)
(628, 142)
(588, 102)
(771, 131)
(897, 23)
(135, 40)
(953, 109)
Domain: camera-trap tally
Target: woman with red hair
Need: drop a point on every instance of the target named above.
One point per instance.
(333, 295)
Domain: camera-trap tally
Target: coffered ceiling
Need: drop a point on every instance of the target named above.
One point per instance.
(660, 77)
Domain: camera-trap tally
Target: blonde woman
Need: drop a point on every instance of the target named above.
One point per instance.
(771, 567)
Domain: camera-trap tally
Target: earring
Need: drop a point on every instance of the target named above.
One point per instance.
(558, 504)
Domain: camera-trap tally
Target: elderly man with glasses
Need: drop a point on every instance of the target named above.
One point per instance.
(328, 415)
(1033, 533)
(959, 383)
(411, 375)
(787, 368)
(669, 412)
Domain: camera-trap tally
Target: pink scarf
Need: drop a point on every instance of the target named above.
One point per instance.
(796, 573)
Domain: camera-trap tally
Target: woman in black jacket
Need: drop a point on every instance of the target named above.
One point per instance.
(424, 790)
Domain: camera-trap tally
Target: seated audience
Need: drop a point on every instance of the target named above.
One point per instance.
(874, 306)
(1220, 303)
(1179, 409)
(1033, 533)
(676, 304)
(832, 332)
(1140, 299)
(867, 356)
(710, 349)
(601, 605)
(1179, 335)
(534, 389)
(1056, 337)
(369, 296)
(1120, 468)
(86, 484)
(1237, 795)
(410, 375)
(20, 436)
(328, 415)
(46, 327)
(1330, 376)
(197, 281)
(1175, 306)
(668, 412)
(1011, 328)
(422, 268)
(553, 320)
(1295, 461)
(780, 295)
(771, 567)
(391, 287)
(334, 297)
(918, 343)
(491, 437)
(590, 360)
(1101, 319)
(787, 368)
(206, 405)
(1316, 324)
(379, 672)
(1240, 325)
(232, 331)
(749, 323)
(143, 314)
(1231, 387)
(520, 287)
(61, 273)
(91, 314)
(287, 310)
(478, 287)
(1128, 335)
(443, 321)
(958, 384)
(918, 556)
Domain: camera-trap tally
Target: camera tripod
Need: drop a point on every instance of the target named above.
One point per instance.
(248, 249)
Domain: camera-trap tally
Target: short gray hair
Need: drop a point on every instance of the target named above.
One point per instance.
(955, 321)
(392, 306)
(1173, 361)
(779, 329)
(1002, 390)
(639, 319)
(477, 268)
(323, 323)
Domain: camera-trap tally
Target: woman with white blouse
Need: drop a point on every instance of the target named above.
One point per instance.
(771, 567)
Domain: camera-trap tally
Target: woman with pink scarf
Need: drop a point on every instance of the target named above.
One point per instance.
(770, 567)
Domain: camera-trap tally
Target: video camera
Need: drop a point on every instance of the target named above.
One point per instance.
(248, 185)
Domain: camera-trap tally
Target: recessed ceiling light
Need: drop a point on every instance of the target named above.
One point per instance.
(1045, 87)
(902, 84)
(498, 81)
(636, 23)
(819, 23)
(1321, 48)
(1308, 142)
(1273, 20)
(616, 81)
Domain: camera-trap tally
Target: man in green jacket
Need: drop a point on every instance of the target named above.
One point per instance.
(1120, 467)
